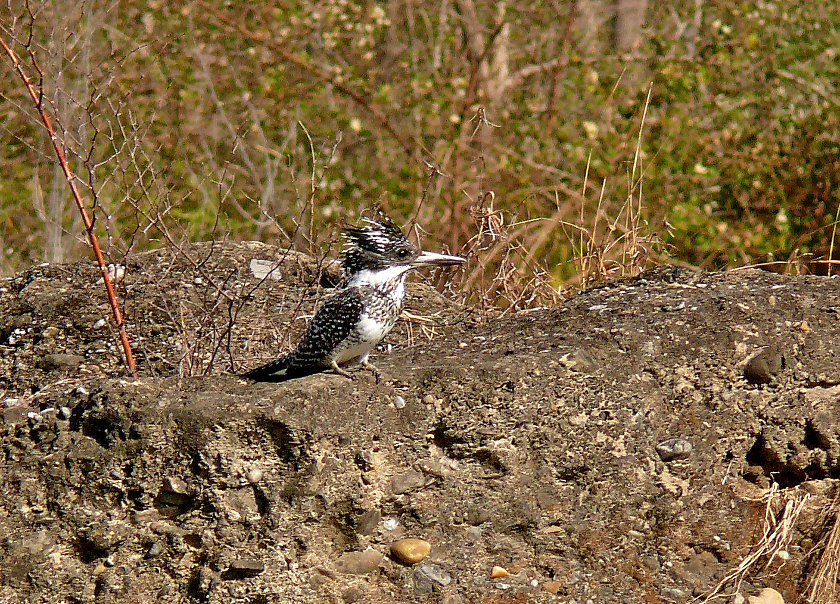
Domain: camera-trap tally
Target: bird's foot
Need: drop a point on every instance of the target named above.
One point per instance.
(341, 371)
(372, 368)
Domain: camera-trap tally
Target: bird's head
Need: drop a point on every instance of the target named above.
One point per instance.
(380, 245)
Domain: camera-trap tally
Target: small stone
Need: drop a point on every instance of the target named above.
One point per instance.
(53, 362)
(155, 550)
(551, 587)
(473, 535)
(498, 572)
(359, 563)
(762, 367)
(368, 522)
(429, 399)
(352, 594)
(423, 585)
(364, 460)
(100, 568)
(738, 599)
(99, 324)
(673, 593)
(408, 481)
(399, 402)
(579, 360)
(254, 475)
(173, 484)
(673, 448)
(174, 492)
(436, 574)
(768, 595)
(265, 268)
(391, 523)
(411, 551)
(478, 514)
(804, 327)
(246, 566)
(65, 413)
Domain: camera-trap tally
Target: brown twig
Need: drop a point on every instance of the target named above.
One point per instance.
(38, 100)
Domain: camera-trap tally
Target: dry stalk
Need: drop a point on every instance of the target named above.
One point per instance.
(833, 239)
(822, 585)
(504, 249)
(777, 532)
(37, 97)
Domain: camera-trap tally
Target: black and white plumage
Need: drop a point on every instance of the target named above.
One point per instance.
(369, 299)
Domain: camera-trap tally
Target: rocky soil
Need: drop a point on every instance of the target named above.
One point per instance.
(632, 445)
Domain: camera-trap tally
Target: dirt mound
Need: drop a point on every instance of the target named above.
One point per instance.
(624, 447)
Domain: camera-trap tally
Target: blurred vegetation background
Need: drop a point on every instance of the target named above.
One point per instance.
(559, 142)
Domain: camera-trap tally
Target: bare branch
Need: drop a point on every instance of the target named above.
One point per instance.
(37, 95)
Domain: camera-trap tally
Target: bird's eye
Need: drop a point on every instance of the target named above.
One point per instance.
(403, 253)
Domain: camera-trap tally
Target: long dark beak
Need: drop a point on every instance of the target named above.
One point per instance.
(432, 259)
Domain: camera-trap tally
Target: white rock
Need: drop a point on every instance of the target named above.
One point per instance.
(768, 595)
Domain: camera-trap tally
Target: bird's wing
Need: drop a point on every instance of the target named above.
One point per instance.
(333, 322)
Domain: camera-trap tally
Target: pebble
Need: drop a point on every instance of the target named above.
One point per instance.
(768, 595)
(551, 587)
(436, 574)
(762, 367)
(411, 551)
(478, 514)
(65, 412)
(579, 360)
(175, 491)
(390, 523)
(423, 585)
(261, 269)
(359, 563)
(498, 572)
(254, 475)
(352, 594)
(673, 448)
(155, 550)
(403, 483)
(61, 361)
(173, 484)
(246, 566)
(368, 522)
(365, 460)
(99, 324)
(399, 402)
(673, 593)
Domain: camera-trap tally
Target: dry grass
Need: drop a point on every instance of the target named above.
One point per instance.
(822, 584)
(782, 508)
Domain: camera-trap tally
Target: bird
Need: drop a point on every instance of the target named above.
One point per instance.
(369, 298)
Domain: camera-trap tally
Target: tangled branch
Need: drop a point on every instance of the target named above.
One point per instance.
(37, 96)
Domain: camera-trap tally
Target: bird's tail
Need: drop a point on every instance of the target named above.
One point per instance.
(280, 370)
(274, 371)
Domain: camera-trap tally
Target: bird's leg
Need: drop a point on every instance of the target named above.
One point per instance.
(341, 371)
(371, 367)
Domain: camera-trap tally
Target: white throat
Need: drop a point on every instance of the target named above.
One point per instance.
(378, 278)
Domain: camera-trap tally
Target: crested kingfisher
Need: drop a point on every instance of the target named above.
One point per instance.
(349, 324)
